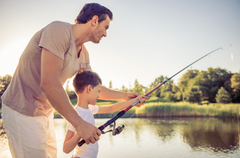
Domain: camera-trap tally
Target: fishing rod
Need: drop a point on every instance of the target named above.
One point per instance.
(121, 113)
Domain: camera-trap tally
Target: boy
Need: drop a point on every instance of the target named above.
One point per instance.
(87, 86)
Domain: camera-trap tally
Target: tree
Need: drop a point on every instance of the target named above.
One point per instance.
(110, 85)
(175, 89)
(215, 81)
(155, 83)
(124, 89)
(184, 80)
(194, 95)
(235, 81)
(138, 88)
(223, 96)
(235, 85)
(4, 82)
(166, 89)
(210, 81)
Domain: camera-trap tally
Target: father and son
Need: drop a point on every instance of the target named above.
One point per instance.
(54, 54)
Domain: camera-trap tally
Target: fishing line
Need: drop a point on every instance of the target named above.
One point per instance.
(121, 113)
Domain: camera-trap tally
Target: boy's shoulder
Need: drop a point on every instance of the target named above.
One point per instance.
(93, 108)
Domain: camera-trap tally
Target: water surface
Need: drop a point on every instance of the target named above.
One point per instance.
(163, 137)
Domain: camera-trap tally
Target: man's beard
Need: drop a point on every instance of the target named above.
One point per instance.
(95, 39)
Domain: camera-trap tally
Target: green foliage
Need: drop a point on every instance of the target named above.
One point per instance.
(194, 95)
(223, 96)
(4, 82)
(235, 81)
(154, 84)
(124, 89)
(208, 83)
(194, 86)
(235, 85)
(110, 85)
(184, 81)
(138, 88)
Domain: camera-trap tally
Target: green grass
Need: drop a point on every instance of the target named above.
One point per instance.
(157, 107)
(187, 109)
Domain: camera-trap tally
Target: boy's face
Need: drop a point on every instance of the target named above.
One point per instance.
(94, 94)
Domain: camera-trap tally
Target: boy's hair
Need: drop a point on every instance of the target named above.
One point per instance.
(91, 9)
(85, 78)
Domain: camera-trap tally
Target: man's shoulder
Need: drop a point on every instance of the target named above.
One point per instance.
(59, 24)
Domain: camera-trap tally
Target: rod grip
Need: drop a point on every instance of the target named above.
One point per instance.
(101, 128)
(81, 143)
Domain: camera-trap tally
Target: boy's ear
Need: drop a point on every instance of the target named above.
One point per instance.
(89, 88)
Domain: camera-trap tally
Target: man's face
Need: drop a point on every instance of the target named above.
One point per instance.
(100, 31)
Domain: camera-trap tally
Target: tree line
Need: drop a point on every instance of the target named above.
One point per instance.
(210, 86)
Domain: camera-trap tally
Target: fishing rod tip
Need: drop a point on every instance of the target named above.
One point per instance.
(226, 46)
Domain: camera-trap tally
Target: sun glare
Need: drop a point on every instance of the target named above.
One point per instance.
(10, 55)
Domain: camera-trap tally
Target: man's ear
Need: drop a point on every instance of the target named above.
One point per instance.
(94, 20)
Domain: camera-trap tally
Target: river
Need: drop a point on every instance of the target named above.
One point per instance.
(161, 138)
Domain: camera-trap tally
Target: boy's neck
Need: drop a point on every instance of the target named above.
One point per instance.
(82, 102)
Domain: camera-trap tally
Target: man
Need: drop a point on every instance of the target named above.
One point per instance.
(54, 54)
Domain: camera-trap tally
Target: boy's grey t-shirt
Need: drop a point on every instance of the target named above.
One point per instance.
(24, 93)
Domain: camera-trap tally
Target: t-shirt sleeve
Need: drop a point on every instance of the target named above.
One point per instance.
(93, 108)
(70, 127)
(56, 38)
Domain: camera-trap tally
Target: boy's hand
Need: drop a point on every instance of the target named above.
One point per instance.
(142, 99)
(88, 132)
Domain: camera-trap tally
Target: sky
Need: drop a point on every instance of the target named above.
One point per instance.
(146, 39)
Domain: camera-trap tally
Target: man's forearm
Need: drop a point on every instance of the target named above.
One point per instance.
(109, 94)
(59, 100)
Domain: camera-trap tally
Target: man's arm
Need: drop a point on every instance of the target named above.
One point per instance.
(108, 94)
(51, 66)
(122, 105)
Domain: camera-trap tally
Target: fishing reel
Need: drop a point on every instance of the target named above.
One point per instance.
(114, 130)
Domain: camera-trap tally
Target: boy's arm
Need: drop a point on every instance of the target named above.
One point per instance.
(70, 142)
(122, 105)
(109, 94)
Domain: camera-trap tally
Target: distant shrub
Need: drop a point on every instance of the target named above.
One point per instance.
(223, 96)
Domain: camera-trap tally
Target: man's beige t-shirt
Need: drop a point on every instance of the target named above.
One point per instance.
(24, 93)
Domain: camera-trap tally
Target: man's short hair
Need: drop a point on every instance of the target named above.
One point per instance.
(85, 78)
(91, 9)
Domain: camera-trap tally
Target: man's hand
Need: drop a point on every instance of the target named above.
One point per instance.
(131, 95)
(88, 132)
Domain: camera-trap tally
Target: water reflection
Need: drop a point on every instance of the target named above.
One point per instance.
(201, 136)
(165, 137)
(211, 133)
(214, 134)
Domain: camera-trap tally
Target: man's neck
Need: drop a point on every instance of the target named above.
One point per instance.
(80, 33)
